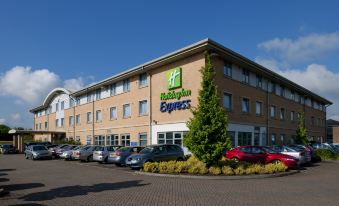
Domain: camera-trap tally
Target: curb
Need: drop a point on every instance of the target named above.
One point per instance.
(240, 177)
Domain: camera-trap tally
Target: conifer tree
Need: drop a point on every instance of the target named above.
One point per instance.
(301, 137)
(207, 137)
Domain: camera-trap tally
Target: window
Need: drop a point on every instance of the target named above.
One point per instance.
(312, 121)
(113, 113)
(71, 121)
(282, 139)
(298, 115)
(258, 108)
(246, 76)
(245, 106)
(273, 87)
(62, 122)
(273, 139)
(318, 122)
(99, 140)
(244, 138)
(97, 94)
(259, 81)
(88, 140)
(143, 108)
(143, 79)
(89, 97)
(292, 115)
(36, 126)
(40, 126)
(272, 111)
(57, 107)
(282, 114)
(228, 69)
(125, 140)
(256, 136)
(57, 123)
(112, 139)
(143, 139)
(77, 119)
(89, 117)
(77, 101)
(292, 97)
(98, 116)
(231, 135)
(171, 138)
(113, 89)
(126, 110)
(77, 138)
(46, 125)
(71, 103)
(126, 85)
(282, 91)
(227, 101)
(62, 105)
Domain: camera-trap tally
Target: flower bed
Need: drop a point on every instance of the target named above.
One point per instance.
(224, 167)
(326, 154)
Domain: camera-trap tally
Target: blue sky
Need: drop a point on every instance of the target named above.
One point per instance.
(74, 43)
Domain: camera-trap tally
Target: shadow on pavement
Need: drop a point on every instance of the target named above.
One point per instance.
(4, 179)
(14, 187)
(6, 170)
(3, 174)
(77, 190)
(28, 204)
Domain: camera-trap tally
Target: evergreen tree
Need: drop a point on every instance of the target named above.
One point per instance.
(207, 137)
(301, 137)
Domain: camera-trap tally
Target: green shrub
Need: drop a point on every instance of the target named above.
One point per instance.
(182, 167)
(275, 168)
(167, 167)
(151, 167)
(227, 170)
(255, 169)
(326, 154)
(240, 170)
(214, 170)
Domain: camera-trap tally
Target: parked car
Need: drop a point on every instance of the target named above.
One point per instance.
(309, 153)
(37, 143)
(101, 153)
(87, 154)
(119, 156)
(68, 154)
(54, 149)
(296, 152)
(260, 154)
(59, 151)
(335, 147)
(155, 153)
(52, 146)
(35, 152)
(8, 149)
(77, 152)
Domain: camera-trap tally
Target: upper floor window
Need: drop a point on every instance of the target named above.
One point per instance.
(62, 121)
(272, 111)
(292, 97)
(258, 108)
(62, 105)
(77, 119)
(113, 113)
(46, 125)
(245, 106)
(57, 106)
(126, 85)
(71, 121)
(227, 68)
(98, 116)
(126, 110)
(259, 81)
(282, 91)
(71, 103)
(143, 79)
(90, 97)
(89, 117)
(77, 101)
(282, 114)
(57, 123)
(292, 115)
(246, 74)
(97, 94)
(143, 107)
(227, 101)
(113, 89)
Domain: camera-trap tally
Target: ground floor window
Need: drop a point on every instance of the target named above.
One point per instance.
(125, 140)
(171, 138)
(99, 140)
(231, 135)
(143, 139)
(77, 138)
(88, 140)
(112, 139)
(273, 139)
(244, 138)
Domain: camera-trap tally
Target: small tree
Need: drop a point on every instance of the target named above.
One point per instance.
(301, 137)
(207, 137)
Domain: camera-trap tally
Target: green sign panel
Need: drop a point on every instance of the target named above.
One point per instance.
(174, 78)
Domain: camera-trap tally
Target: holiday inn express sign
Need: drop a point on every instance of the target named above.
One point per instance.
(174, 81)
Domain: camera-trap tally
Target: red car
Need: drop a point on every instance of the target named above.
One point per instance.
(260, 154)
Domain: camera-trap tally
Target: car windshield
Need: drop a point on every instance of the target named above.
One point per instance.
(6, 146)
(269, 150)
(147, 150)
(77, 147)
(123, 149)
(99, 149)
(36, 148)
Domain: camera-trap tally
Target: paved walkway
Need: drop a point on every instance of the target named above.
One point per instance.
(57, 182)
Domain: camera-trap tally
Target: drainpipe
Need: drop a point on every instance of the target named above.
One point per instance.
(93, 119)
(150, 108)
(268, 112)
(326, 124)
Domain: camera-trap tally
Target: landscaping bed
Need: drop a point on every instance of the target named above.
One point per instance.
(224, 167)
(326, 154)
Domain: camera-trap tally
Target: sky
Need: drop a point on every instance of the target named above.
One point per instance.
(47, 44)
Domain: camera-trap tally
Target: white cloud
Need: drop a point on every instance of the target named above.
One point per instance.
(27, 84)
(307, 47)
(74, 84)
(2, 121)
(16, 117)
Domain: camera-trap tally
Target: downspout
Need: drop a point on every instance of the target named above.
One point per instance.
(150, 108)
(268, 112)
(93, 119)
(326, 124)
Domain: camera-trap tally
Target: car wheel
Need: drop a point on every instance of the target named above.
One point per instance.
(118, 164)
(90, 158)
(275, 161)
(234, 159)
(106, 160)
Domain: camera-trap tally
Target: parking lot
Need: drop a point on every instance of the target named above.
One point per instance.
(58, 182)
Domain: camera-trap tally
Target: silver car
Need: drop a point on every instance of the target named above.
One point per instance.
(86, 154)
(120, 155)
(68, 154)
(35, 152)
(101, 153)
(294, 152)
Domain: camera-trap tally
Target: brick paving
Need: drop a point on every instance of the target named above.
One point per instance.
(57, 182)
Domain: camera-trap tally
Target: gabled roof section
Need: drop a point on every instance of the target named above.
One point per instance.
(50, 98)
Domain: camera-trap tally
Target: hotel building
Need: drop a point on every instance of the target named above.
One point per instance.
(149, 104)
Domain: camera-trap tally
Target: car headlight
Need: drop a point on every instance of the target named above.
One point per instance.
(35, 154)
